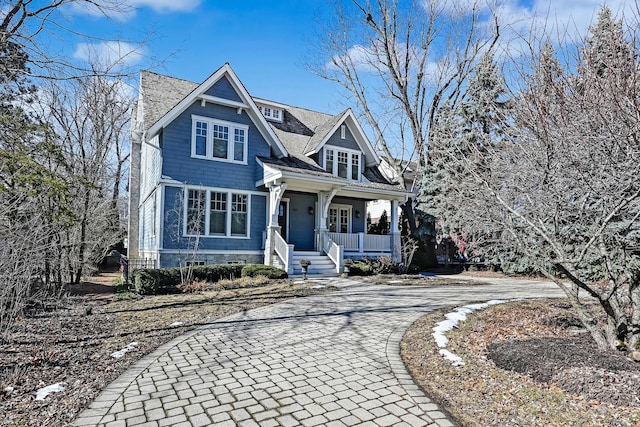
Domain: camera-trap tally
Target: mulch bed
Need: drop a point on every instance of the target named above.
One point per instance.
(527, 364)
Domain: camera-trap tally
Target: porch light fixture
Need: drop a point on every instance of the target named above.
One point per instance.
(310, 210)
(357, 214)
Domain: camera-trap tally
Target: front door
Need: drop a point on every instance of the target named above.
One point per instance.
(283, 218)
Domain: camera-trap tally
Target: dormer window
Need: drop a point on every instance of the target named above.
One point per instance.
(343, 131)
(342, 163)
(271, 113)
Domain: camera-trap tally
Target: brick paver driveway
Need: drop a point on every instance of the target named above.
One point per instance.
(330, 360)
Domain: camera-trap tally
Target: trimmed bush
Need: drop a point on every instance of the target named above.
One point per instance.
(157, 281)
(360, 268)
(167, 280)
(253, 270)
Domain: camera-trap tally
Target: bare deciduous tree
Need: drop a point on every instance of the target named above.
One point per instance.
(401, 61)
(561, 192)
(91, 116)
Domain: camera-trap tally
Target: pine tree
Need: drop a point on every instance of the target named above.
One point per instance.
(457, 150)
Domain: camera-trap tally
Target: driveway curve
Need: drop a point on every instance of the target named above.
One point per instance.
(329, 360)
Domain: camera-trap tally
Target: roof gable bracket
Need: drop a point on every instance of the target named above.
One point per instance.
(204, 98)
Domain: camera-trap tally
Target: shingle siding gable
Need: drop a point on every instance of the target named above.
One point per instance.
(224, 89)
(179, 165)
(348, 142)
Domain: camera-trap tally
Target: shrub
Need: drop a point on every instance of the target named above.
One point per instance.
(360, 268)
(157, 281)
(168, 280)
(253, 270)
(194, 286)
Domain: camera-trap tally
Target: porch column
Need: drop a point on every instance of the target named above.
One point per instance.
(324, 200)
(275, 196)
(394, 232)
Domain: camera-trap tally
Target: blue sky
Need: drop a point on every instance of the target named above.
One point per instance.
(265, 42)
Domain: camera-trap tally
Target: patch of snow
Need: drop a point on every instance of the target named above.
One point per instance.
(454, 358)
(118, 354)
(318, 287)
(459, 314)
(396, 281)
(53, 388)
(176, 324)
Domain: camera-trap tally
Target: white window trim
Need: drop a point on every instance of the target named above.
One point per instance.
(349, 153)
(343, 131)
(208, 191)
(338, 207)
(209, 146)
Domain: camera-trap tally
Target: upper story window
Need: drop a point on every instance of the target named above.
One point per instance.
(271, 113)
(345, 164)
(218, 140)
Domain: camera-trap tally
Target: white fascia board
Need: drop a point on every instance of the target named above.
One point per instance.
(270, 103)
(363, 141)
(199, 93)
(359, 135)
(395, 195)
(188, 100)
(333, 130)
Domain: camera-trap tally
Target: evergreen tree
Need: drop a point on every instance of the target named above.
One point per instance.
(457, 150)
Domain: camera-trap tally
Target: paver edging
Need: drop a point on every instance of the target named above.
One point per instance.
(406, 380)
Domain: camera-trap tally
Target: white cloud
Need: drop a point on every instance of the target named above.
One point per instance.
(167, 6)
(109, 54)
(124, 10)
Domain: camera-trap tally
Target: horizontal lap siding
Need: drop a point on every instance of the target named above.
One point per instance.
(179, 165)
(224, 89)
(173, 238)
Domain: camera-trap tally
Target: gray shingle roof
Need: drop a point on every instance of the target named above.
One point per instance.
(300, 131)
(160, 94)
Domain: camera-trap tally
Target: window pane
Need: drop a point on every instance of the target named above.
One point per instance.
(201, 139)
(195, 212)
(220, 141)
(328, 161)
(344, 220)
(218, 213)
(333, 220)
(239, 215)
(238, 146)
(343, 163)
(355, 166)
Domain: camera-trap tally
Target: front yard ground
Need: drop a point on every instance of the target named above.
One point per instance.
(526, 363)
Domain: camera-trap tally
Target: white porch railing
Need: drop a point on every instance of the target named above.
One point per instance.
(335, 253)
(361, 242)
(284, 251)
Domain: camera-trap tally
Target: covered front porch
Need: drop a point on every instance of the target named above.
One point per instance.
(326, 226)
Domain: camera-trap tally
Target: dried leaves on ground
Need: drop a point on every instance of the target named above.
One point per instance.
(71, 342)
(527, 363)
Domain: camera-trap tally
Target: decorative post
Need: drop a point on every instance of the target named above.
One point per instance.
(275, 196)
(394, 232)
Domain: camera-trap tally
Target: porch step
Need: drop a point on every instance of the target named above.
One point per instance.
(276, 262)
(320, 264)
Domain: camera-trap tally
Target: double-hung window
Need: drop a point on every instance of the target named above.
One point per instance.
(219, 140)
(345, 164)
(217, 213)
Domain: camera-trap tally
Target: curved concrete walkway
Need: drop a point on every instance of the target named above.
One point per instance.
(329, 360)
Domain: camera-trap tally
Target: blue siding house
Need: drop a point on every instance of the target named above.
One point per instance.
(219, 176)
